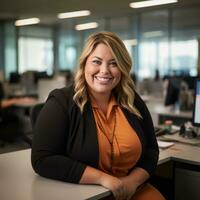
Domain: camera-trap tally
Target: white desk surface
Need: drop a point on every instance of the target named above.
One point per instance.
(181, 152)
(19, 182)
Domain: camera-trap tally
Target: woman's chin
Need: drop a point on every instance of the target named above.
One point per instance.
(102, 90)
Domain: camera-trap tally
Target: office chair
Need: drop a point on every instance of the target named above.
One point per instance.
(13, 128)
(11, 124)
(35, 112)
(33, 117)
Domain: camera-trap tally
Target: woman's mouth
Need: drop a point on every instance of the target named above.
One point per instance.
(102, 79)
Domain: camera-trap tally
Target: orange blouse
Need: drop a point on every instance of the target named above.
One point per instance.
(117, 139)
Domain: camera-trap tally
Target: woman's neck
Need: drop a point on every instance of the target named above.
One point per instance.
(102, 100)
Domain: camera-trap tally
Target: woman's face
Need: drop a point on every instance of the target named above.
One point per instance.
(101, 71)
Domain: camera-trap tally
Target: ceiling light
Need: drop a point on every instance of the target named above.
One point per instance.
(29, 21)
(80, 13)
(90, 25)
(151, 34)
(142, 4)
(131, 42)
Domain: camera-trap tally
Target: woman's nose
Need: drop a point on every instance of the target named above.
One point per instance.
(104, 68)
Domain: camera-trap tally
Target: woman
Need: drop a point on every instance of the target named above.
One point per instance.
(98, 131)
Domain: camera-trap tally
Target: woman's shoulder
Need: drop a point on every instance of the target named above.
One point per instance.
(63, 95)
(63, 92)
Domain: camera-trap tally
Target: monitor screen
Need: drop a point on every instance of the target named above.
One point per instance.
(196, 107)
(172, 94)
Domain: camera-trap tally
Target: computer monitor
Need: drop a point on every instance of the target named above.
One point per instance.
(189, 80)
(40, 75)
(14, 77)
(196, 107)
(173, 89)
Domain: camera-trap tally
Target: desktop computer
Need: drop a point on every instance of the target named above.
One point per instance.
(196, 107)
(189, 131)
(187, 177)
(185, 156)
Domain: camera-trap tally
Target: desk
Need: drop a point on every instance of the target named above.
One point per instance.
(181, 152)
(19, 182)
(185, 171)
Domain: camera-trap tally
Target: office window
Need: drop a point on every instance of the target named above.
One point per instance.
(184, 46)
(154, 46)
(153, 55)
(10, 54)
(184, 57)
(70, 56)
(69, 46)
(35, 54)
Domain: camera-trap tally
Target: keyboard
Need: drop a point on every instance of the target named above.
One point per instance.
(176, 137)
(163, 131)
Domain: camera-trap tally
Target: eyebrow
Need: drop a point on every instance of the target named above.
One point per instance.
(98, 57)
(102, 59)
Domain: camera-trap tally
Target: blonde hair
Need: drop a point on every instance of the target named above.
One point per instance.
(124, 91)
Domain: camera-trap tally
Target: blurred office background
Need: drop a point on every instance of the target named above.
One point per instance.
(163, 41)
(160, 37)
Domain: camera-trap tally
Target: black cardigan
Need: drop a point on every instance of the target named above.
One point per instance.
(65, 140)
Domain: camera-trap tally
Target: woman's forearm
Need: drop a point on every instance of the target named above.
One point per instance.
(137, 177)
(91, 176)
(95, 176)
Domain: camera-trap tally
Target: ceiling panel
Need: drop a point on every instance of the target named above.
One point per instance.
(48, 9)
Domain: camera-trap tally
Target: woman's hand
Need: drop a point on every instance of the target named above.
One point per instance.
(122, 188)
(95, 176)
(131, 182)
(115, 185)
(129, 187)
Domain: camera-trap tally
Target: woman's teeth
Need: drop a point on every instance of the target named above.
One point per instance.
(102, 78)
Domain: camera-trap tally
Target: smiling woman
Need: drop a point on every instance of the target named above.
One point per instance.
(101, 73)
(99, 130)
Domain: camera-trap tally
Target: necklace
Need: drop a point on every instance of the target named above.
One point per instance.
(110, 139)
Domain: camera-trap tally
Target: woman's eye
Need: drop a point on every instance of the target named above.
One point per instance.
(96, 62)
(114, 64)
